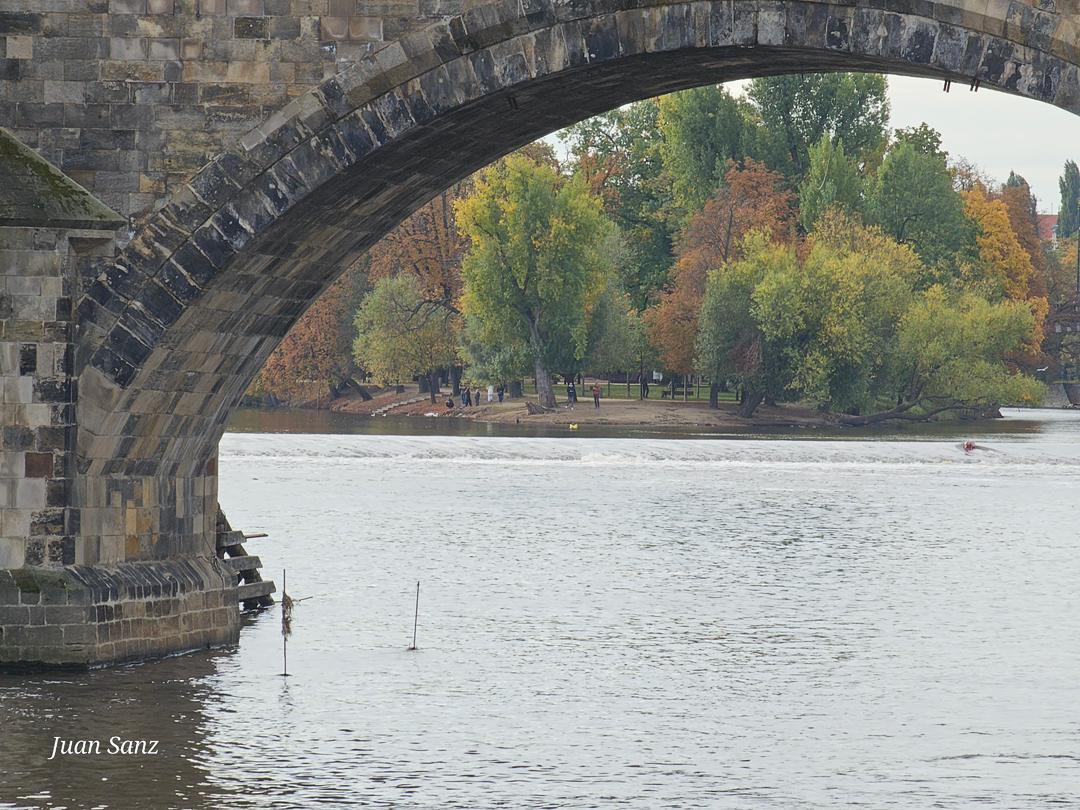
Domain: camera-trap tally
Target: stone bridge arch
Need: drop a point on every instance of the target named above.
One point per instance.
(170, 331)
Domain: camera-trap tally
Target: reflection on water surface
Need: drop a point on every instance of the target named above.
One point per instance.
(882, 621)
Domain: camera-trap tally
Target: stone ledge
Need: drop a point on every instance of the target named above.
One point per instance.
(81, 617)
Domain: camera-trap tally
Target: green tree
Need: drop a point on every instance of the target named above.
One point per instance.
(801, 108)
(401, 335)
(618, 153)
(703, 129)
(1069, 216)
(833, 318)
(951, 352)
(539, 256)
(924, 138)
(832, 181)
(844, 325)
(612, 344)
(730, 343)
(914, 202)
(491, 356)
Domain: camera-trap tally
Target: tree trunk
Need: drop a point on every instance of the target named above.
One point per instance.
(714, 394)
(433, 384)
(899, 413)
(455, 380)
(751, 399)
(516, 389)
(545, 394)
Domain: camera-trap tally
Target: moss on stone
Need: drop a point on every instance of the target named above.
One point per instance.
(25, 580)
(33, 192)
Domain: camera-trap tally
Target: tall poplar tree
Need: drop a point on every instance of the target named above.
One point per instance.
(1069, 217)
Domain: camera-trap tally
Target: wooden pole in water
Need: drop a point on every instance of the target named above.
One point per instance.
(416, 616)
(284, 633)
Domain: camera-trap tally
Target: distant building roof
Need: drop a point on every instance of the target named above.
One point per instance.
(1048, 227)
(35, 193)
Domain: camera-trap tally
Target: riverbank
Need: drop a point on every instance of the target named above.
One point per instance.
(614, 412)
(654, 412)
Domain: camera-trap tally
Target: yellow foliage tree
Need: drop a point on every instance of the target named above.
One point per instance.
(1003, 270)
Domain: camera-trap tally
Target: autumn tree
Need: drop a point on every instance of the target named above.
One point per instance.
(427, 246)
(846, 325)
(401, 335)
(751, 198)
(315, 357)
(1002, 268)
(1024, 219)
(539, 256)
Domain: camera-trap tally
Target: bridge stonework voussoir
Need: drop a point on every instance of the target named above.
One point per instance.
(251, 158)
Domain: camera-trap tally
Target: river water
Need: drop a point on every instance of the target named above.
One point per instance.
(866, 620)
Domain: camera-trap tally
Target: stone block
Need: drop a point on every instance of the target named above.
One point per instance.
(368, 28)
(164, 49)
(39, 465)
(237, 8)
(64, 92)
(127, 48)
(29, 495)
(334, 27)
(12, 553)
(20, 47)
(16, 522)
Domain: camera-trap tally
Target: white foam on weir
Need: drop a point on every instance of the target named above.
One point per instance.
(706, 453)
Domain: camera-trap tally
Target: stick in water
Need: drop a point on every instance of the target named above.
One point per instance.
(286, 626)
(416, 617)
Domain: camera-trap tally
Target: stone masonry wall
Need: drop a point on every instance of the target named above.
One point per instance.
(38, 523)
(83, 616)
(132, 97)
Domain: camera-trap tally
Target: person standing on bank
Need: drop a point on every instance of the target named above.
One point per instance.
(596, 394)
(571, 393)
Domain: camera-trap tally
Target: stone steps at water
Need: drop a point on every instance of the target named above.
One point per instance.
(252, 590)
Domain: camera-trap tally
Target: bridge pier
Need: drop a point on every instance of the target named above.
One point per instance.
(81, 582)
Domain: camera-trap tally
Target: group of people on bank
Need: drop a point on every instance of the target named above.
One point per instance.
(571, 393)
(472, 397)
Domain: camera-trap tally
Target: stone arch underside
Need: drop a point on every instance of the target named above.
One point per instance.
(173, 330)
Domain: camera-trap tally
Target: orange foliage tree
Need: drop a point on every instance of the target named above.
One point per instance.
(427, 246)
(314, 359)
(753, 197)
(1005, 268)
